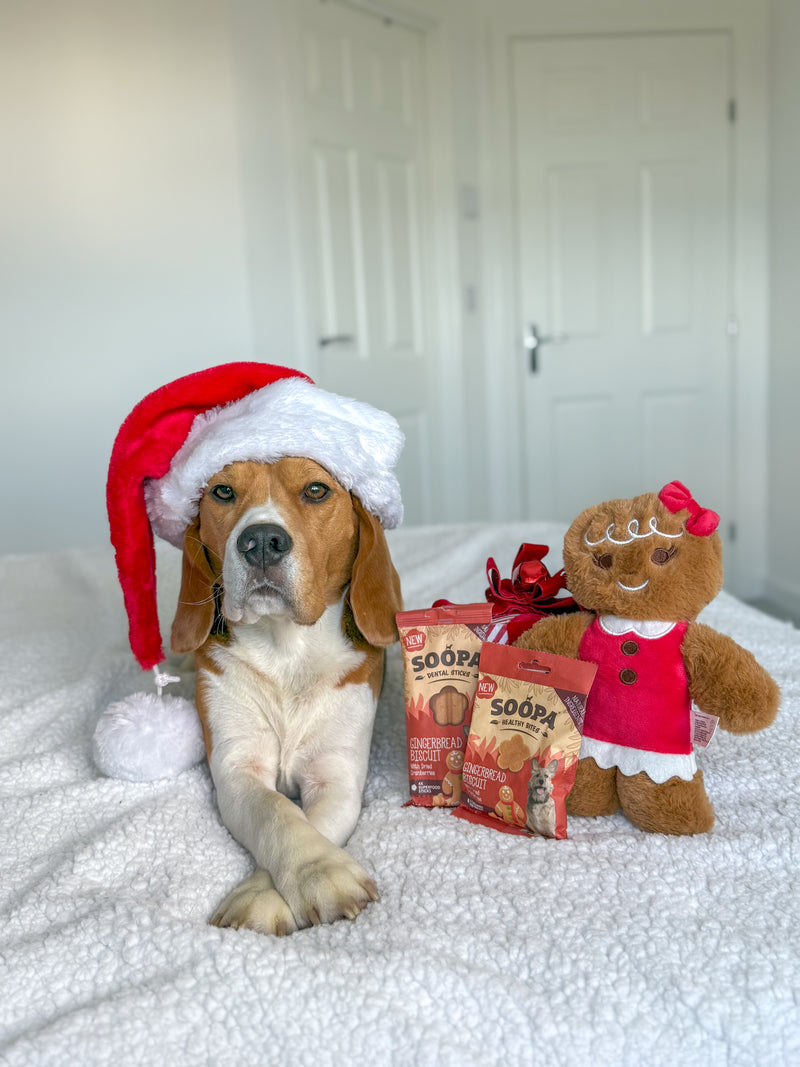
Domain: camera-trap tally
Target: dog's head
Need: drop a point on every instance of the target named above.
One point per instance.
(541, 783)
(283, 538)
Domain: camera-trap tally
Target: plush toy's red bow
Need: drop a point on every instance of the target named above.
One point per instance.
(676, 497)
(531, 588)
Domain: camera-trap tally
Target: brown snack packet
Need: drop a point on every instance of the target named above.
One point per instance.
(524, 740)
(441, 652)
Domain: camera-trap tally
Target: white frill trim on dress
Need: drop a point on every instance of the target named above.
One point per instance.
(658, 766)
(650, 629)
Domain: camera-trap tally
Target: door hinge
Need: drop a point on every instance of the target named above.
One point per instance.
(731, 532)
(731, 110)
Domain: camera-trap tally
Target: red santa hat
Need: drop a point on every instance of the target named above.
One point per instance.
(180, 435)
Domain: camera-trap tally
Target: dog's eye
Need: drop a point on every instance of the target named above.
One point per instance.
(316, 491)
(663, 555)
(606, 561)
(224, 493)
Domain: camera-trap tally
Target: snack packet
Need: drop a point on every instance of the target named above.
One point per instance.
(441, 652)
(524, 740)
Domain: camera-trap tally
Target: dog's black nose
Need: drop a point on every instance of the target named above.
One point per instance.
(263, 544)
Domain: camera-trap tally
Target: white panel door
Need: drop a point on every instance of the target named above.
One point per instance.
(621, 149)
(365, 235)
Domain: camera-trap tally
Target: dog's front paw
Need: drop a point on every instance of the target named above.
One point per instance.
(256, 904)
(328, 887)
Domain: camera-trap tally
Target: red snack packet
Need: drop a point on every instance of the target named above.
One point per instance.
(441, 652)
(524, 740)
(530, 594)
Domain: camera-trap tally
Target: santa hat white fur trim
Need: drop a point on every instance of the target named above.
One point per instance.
(357, 443)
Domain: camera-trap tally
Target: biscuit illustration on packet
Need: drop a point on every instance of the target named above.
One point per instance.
(512, 754)
(449, 706)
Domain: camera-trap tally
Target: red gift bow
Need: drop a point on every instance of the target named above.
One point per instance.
(528, 596)
(676, 497)
(531, 589)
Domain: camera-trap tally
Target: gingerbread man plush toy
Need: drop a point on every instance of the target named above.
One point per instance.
(644, 568)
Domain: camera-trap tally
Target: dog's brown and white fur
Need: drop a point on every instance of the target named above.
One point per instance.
(288, 598)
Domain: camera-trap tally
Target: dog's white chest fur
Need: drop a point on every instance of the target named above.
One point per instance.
(278, 708)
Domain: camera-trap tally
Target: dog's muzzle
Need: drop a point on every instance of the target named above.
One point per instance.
(262, 545)
(259, 573)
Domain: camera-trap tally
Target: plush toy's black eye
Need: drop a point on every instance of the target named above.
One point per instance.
(316, 491)
(663, 555)
(606, 561)
(223, 493)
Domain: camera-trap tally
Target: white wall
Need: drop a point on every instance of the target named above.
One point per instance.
(783, 584)
(146, 230)
(148, 223)
(124, 259)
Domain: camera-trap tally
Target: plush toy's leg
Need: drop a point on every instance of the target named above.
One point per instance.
(676, 807)
(594, 791)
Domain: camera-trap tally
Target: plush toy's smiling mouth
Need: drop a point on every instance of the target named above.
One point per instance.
(634, 588)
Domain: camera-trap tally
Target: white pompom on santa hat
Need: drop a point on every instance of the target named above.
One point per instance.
(164, 454)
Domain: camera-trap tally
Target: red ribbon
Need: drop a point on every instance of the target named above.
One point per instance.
(531, 589)
(676, 497)
(530, 594)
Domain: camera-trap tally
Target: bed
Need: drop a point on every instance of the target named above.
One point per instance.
(611, 947)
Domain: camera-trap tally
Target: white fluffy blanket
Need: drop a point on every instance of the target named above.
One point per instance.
(613, 947)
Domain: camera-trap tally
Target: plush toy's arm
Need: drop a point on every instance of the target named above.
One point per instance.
(560, 634)
(726, 680)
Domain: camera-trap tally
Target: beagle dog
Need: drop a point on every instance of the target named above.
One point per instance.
(288, 599)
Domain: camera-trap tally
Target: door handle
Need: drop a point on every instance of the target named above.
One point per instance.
(336, 339)
(533, 341)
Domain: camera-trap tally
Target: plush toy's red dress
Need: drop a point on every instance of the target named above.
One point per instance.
(638, 713)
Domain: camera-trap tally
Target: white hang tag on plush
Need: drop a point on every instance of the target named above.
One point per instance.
(703, 727)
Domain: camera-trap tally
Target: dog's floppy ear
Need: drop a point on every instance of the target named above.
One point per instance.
(195, 615)
(375, 595)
